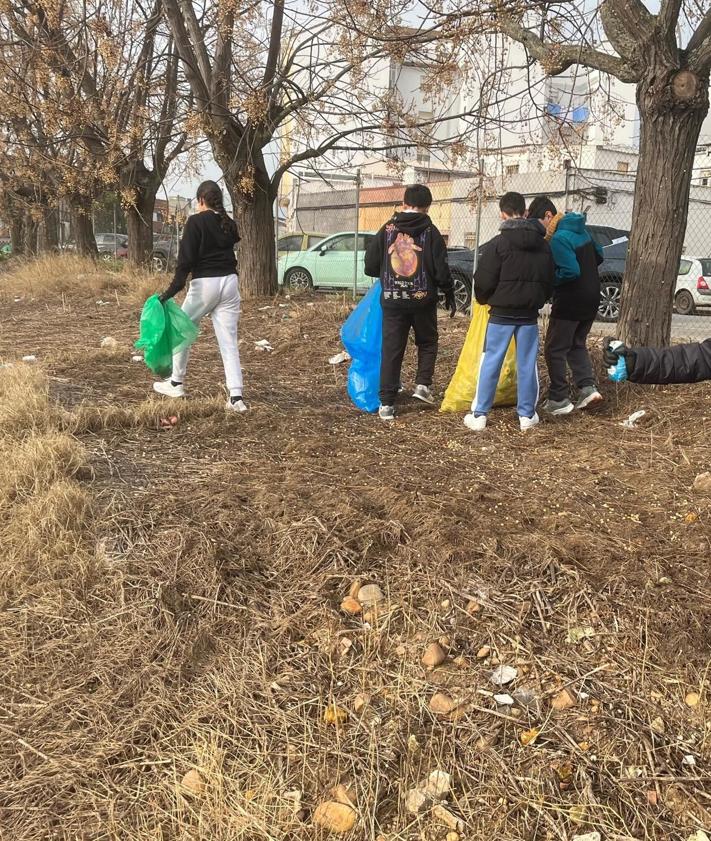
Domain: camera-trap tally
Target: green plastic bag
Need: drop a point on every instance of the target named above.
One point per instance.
(165, 330)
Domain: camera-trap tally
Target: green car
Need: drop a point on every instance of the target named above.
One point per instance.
(327, 264)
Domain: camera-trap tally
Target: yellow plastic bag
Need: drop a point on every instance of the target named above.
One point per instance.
(462, 387)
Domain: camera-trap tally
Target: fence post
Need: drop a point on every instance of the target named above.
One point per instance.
(479, 201)
(355, 238)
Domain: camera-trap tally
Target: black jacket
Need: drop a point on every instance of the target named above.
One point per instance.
(409, 255)
(677, 364)
(205, 251)
(515, 271)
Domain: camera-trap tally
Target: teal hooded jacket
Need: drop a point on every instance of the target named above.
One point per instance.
(576, 293)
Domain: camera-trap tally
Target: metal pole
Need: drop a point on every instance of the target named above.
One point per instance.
(115, 243)
(567, 183)
(479, 200)
(355, 238)
(276, 228)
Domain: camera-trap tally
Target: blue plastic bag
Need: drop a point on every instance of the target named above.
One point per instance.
(362, 337)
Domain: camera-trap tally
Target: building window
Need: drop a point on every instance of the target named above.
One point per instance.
(512, 169)
(623, 166)
(423, 157)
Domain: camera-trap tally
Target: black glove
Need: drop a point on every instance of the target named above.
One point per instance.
(610, 355)
(164, 296)
(450, 302)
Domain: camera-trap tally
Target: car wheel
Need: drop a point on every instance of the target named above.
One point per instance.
(160, 264)
(684, 302)
(107, 256)
(610, 294)
(298, 279)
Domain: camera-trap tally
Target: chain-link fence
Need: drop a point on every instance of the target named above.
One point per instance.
(465, 209)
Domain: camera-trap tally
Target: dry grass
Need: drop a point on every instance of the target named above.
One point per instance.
(172, 600)
(69, 274)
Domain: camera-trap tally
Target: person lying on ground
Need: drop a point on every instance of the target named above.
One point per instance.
(576, 298)
(515, 277)
(207, 252)
(688, 363)
(409, 255)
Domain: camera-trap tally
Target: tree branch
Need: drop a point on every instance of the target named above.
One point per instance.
(668, 18)
(699, 48)
(557, 58)
(629, 27)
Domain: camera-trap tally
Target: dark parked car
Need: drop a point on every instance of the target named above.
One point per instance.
(461, 262)
(165, 252)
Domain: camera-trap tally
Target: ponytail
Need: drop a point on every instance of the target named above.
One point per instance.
(211, 194)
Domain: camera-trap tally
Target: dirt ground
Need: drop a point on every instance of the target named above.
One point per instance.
(203, 629)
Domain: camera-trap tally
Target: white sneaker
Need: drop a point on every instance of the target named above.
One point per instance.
(529, 423)
(238, 406)
(476, 424)
(386, 413)
(424, 393)
(167, 389)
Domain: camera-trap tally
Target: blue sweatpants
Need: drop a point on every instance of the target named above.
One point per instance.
(497, 341)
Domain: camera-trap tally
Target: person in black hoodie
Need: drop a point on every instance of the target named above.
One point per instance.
(207, 252)
(514, 277)
(409, 255)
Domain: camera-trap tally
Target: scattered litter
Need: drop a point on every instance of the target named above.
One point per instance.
(578, 634)
(193, 783)
(529, 736)
(343, 356)
(136, 358)
(589, 836)
(264, 309)
(702, 483)
(504, 700)
(101, 303)
(689, 760)
(311, 304)
(29, 358)
(503, 675)
(449, 819)
(109, 343)
(263, 344)
(631, 421)
(528, 699)
(283, 306)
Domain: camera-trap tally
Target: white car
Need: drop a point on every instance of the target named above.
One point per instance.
(693, 285)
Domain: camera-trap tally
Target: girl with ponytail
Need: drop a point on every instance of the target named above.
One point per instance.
(207, 253)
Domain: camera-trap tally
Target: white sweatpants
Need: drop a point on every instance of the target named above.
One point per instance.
(219, 298)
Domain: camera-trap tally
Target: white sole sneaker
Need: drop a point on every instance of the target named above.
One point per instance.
(590, 401)
(167, 389)
(239, 407)
(476, 424)
(529, 423)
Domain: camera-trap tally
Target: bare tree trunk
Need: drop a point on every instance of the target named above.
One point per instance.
(17, 232)
(139, 223)
(83, 230)
(672, 108)
(30, 235)
(143, 184)
(255, 220)
(48, 234)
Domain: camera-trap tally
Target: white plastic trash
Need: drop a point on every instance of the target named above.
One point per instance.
(29, 358)
(631, 421)
(343, 356)
(136, 358)
(263, 344)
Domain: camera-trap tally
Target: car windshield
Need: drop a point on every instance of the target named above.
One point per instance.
(706, 267)
(684, 267)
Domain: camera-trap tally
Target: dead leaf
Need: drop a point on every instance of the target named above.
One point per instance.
(529, 736)
(335, 715)
(564, 700)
